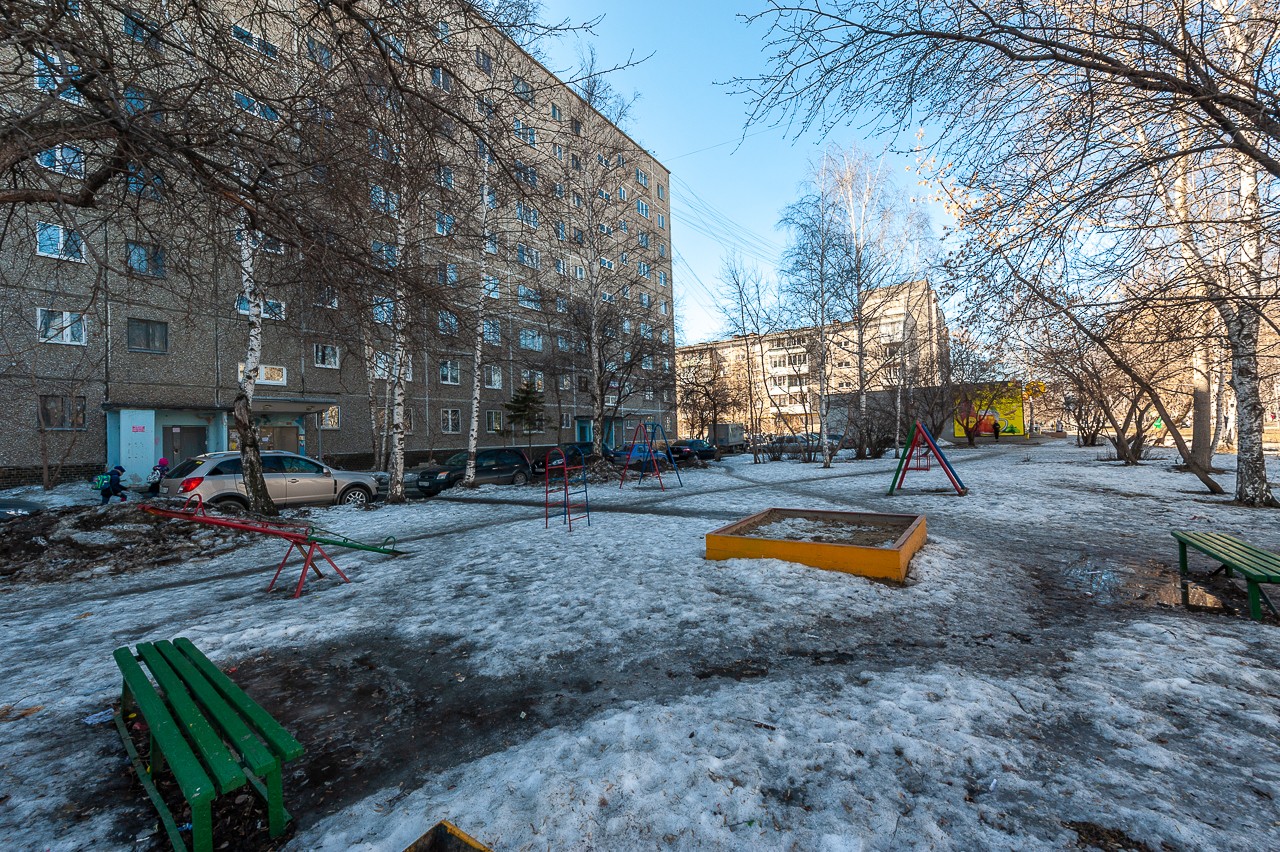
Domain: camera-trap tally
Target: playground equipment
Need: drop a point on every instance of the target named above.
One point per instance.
(446, 837)
(307, 539)
(571, 492)
(647, 433)
(919, 456)
(874, 544)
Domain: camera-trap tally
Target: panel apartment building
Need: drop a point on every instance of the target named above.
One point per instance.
(902, 339)
(544, 231)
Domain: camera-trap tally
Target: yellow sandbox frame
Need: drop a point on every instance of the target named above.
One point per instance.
(884, 563)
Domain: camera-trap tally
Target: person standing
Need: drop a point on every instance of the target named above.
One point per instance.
(995, 427)
(159, 472)
(114, 487)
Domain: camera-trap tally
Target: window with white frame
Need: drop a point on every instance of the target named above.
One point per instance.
(54, 77)
(526, 174)
(383, 200)
(386, 255)
(384, 364)
(144, 259)
(326, 356)
(381, 147)
(492, 287)
(662, 221)
(444, 223)
(491, 243)
(147, 183)
(522, 89)
(451, 421)
(493, 331)
(662, 191)
(529, 297)
(531, 339)
(492, 377)
(642, 207)
(384, 310)
(450, 372)
(646, 331)
(566, 382)
(493, 421)
(255, 107)
(64, 159)
(664, 306)
(622, 193)
(606, 263)
(271, 308)
(532, 377)
(484, 61)
(526, 133)
(642, 269)
(528, 256)
(448, 323)
(441, 79)
(268, 374)
(580, 272)
(665, 336)
(60, 327)
(642, 177)
(646, 362)
(662, 279)
(626, 326)
(330, 418)
(562, 305)
(662, 249)
(490, 197)
(59, 241)
(254, 42)
(444, 177)
(566, 420)
(447, 274)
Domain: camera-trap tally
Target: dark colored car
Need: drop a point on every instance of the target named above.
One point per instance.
(575, 451)
(692, 447)
(12, 508)
(503, 466)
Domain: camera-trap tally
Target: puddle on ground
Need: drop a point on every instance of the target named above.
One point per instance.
(1149, 583)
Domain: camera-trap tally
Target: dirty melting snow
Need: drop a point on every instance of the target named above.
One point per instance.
(962, 716)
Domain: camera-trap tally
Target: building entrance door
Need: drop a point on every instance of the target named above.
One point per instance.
(278, 438)
(182, 442)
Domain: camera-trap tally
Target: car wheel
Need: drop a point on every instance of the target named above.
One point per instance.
(519, 478)
(354, 496)
(231, 505)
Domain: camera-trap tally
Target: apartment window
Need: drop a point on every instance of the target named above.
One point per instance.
(444, 224)
(384, 367)
(258, 43)
(145, 259)
(559, 190)
(147, 335)
(532, 377)
(485, 106)
(330, 419)
(644, 240)
(383, 200)
(492, 287)
(531, 339)
(386, 255)
(492, 331)
(646, 331)
(447, 274)
(141, 29)
(605, 263)
(526, 173)
(626, 326)
(448, 322)
(381, 146)
(442, 31)
(484, 62)
(384, 310)
(144, 183)
(490, 197)
(662, 191)
(562, 304)
(527, 256)
(319, 53)
(642, 207)
(562, 343)
(268, 374)
(555, 112)
(527, 213)
(493, 377)
(665, 336)
(52, 76)
(441, 79)
(483, 151)
(577, 200)
(580, 273)
(529, 297)
(491, 243)
(576, 127)
(139, 101)
(61, 413)
(271, 309)
(560, 230)
(642, 177)
(523, 89)
(645, 298)
(59, 241)
(255, 107)
(662, 250)
(662, 279)
(326, 356)
(60, 327)
(646, 362)
(493, 421)
(578, 236)
(662, 221)
(450, 372)
(63, 159)
(642, 269)
(526, 133)
(444, 177)
(604, 229)
(451, 421)
(558, 151)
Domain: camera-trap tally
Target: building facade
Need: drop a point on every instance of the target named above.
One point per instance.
(532, 248)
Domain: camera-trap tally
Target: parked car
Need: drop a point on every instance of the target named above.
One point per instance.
(504, 466)
(636, 457)
(292, 480)
(575, 451)
(731, 437)
(691, 448)
(10, 509)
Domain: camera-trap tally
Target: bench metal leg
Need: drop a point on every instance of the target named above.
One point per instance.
(202, 827)
(1182, 573)
(276, 816)
(1256, 597)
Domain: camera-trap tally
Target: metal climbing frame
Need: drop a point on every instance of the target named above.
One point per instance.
(571, 492)
(648, 432)
(305, 538)
(923, 448)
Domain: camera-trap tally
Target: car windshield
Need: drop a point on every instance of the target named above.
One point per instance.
(186, 468)
(457, 460)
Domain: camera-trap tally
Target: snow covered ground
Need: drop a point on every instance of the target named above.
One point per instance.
(611, 689)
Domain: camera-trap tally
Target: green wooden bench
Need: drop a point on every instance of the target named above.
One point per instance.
(212, 735)
(1257, 566)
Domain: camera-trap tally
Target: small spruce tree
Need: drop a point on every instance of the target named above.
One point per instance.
(524, 409)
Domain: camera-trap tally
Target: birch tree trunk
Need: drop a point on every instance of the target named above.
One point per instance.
(242, 407)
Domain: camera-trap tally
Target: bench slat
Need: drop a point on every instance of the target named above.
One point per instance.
(256, 755)
(1262, 565)
(281, 741)
(1240, 549)
(191, 777)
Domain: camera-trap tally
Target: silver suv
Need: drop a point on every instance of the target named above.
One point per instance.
(292, 480)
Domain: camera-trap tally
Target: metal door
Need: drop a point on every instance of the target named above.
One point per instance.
(182, 442)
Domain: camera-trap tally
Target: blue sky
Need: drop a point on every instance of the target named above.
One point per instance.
(727, 192)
